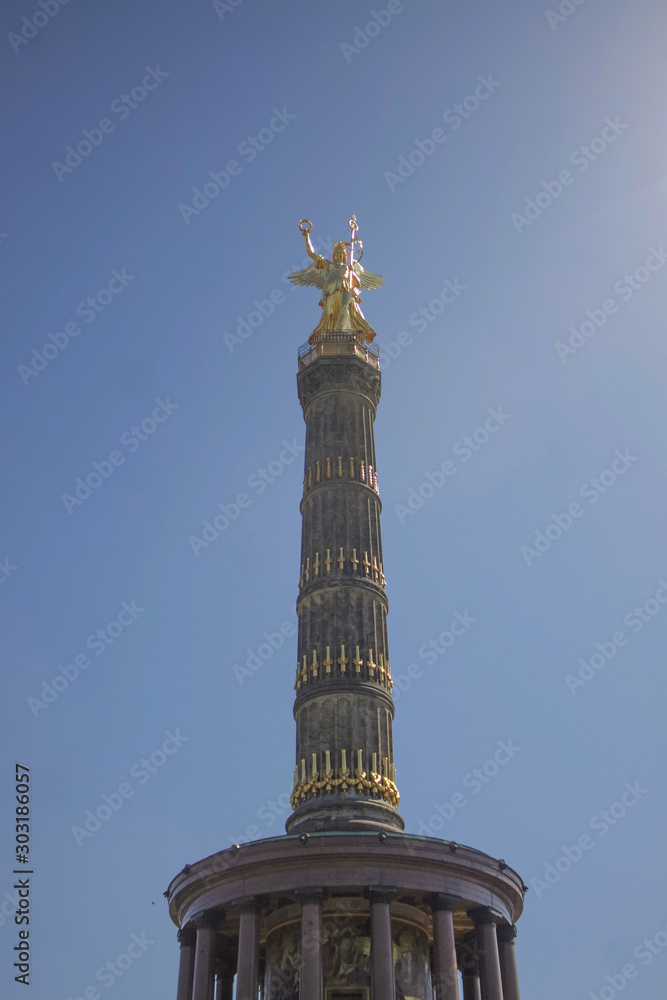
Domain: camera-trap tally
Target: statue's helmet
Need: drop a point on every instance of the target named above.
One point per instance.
(339, 251)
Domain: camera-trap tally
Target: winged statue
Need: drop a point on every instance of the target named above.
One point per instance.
(341, 280)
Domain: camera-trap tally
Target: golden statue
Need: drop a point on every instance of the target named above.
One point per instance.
(341, 280)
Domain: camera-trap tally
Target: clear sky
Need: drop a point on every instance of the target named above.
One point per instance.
(130, 277)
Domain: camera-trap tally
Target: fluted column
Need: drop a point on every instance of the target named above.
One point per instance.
(204, 958)
(487, 948)
(310, 979)
(248, 959)
(506, 935)
(382, 954)
(187, 938)
(444, 948)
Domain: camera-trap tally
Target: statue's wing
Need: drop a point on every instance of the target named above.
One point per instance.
(367, 279)
(311, 275)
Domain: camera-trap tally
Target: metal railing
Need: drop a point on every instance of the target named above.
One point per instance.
(339, 342)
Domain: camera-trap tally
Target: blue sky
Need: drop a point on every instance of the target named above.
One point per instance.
(542, 201)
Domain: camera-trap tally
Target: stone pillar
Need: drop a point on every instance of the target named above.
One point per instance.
(446, 980)
(224, 983)
(487, 950)
(382, 955)
(471, 985)
(204, 958)
(186, 969)
(247, 974)
(506, 935)
(310, 978)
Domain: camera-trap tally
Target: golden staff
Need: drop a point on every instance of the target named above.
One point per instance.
(353, 229)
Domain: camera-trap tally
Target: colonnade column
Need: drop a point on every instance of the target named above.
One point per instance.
(186, 969)
(310, 978)
(472, 989)
(487, 949)
(204, 957)
(506, 935)
(444, 947)
(224, 982)
(382, 954)
(247, 974)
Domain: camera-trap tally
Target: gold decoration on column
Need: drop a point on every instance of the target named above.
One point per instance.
(342, 660)
(354, 560)
(328, 468)
(376, 569)
(371, 666)
(362, 472)
(341, 561)
(307, 574)
(358, 662)
(351, 468)
(340, 466)
(328, 561)
(316, 565)
(367, 565)
(313, 666)
(327, 663)
(318, 472)
(381, 785)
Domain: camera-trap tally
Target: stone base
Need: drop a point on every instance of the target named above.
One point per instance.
(352, 813)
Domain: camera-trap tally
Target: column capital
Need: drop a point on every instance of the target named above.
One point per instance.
(247, 904)
(381, 893)
(186, 936)
(507, 933)
(441, 901)
(309, 895)
(484, 915)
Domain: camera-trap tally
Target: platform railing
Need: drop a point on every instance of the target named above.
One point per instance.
(336, 343)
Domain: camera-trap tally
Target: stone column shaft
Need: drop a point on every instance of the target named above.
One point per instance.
(186, 966)
(472, 989)
(382, 955)
(487, 950)
(444, 949)
(204, 958)
(506, 935)
(247, 973)
(310, 979)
